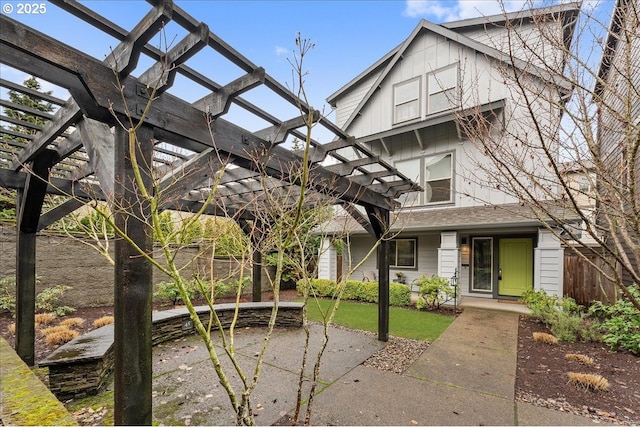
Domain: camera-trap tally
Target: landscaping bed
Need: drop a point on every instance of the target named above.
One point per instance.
(542, 377)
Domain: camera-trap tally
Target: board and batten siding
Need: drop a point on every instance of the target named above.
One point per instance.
(349, 101)
(548, 264)
(621, 103)
(327, 261)
(527, 40)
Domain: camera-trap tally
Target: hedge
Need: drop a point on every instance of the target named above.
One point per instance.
(356, 290)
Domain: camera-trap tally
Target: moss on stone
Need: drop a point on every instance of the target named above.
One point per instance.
(25, 399)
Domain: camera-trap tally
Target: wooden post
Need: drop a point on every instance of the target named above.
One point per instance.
(256, 275)
(383, 282)
(30, 201)
(133, 284)
(26, 296)
(379, 219)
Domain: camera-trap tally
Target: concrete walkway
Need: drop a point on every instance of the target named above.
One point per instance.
(466, 377)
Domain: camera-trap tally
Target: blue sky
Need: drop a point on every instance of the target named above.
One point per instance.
(348, 36)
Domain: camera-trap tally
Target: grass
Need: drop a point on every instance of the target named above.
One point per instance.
(545, 338)
(403, 322)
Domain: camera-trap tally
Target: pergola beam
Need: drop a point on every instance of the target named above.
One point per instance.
(218, 103)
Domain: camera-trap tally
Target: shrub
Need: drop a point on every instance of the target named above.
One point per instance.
(194, 290)
(43, 319)
(62, 336)
(103, 321)
(580, 358)
(52, 330)
(588, 381)
(356, 290)
(46, 301)
(434, 291)
(620, 322)
(545, 338)
(563, 316)
(73, 322)
(399, 295)
(318, 287)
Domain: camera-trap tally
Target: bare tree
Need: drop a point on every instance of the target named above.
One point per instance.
(553, 123)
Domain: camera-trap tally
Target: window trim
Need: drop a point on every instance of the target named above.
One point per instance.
(439, 89)
(394, 256)
(416, 99)
(451, 155)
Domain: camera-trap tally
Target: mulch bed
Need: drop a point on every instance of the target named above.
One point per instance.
(542, 377)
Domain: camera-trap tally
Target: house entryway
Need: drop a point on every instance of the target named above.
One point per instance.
(515, 267)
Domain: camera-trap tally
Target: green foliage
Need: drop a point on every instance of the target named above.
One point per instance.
(356, 290)
(46, 301)
(198, 289)
(7, 294)
(229, 238)
(29, 101)
(290, 272)
(564, 317)
(434, 291)
(164, 227)
(620, 322)
(317, 287)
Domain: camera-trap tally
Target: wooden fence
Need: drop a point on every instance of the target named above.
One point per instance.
(584, 283)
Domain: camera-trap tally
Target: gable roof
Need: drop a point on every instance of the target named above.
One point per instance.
(615, 27)
(388, 61)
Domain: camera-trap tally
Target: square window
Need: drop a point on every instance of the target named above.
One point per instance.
(402, 253)
(438, 176)
(443, 88)
(406, 100)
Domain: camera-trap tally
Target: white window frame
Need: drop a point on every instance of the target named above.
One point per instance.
(393, 256)
(408, 101)
(436, 85)
(427, 180)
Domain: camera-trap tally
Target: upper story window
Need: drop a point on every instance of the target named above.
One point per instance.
(402, 253)
(438, 177)
(406, 100)
(442, 85)
(584, 185)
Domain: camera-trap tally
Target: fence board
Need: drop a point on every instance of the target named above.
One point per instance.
(584, 283)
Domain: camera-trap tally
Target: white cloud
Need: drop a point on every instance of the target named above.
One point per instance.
(445, 11)
(282, 51)
(429, 9)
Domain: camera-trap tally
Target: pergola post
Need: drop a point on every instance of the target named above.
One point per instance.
(133, 284)
(252, 230)
(380, 224)
(25, 295)
(29, 205)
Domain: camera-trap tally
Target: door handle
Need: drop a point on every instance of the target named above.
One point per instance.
(500, 273)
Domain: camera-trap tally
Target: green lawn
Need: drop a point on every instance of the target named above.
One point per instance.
(403, 322)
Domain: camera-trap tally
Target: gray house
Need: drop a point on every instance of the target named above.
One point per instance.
(406, 108)
(617, 92)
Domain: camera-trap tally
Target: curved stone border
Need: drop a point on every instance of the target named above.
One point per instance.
(83, 365)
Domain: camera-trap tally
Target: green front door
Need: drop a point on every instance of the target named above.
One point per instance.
(515, 270)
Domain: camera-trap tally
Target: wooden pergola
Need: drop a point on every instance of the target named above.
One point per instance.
(81, 153)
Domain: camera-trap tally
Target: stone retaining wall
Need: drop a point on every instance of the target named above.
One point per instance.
(61, 260)
(84, 365)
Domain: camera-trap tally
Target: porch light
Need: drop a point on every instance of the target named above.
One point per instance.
(464, 254)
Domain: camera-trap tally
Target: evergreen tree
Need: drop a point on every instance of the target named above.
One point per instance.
(29, 101)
